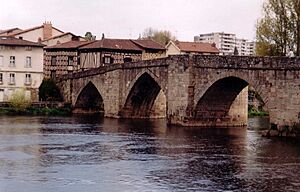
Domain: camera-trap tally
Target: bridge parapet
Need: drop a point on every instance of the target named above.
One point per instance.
(246, 62)
(131, 65)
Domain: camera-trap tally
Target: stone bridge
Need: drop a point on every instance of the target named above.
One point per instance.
(199, 90)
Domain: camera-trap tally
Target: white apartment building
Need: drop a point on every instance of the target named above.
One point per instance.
(226, 43)
(21, 67)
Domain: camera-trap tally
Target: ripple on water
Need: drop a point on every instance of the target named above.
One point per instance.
(87, 154)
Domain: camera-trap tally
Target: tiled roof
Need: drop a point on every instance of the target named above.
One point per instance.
(149, 44)
(114, 44)
(31, 29)
(18, 42)
(196, 47)
(60, 35)
(8, 30)
(69, 45)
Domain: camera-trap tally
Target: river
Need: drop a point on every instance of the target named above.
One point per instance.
(76, 154)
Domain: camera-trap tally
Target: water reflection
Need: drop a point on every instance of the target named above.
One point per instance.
(87, 153)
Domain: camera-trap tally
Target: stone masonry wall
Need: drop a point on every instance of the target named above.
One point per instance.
(185, 79)
(178, 84)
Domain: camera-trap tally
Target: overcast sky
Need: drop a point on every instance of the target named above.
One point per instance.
(129, 18)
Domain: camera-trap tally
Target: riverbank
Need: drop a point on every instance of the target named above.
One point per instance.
(38, 108)
(287, 131)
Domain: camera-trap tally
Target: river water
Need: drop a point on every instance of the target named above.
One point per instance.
(71, 154)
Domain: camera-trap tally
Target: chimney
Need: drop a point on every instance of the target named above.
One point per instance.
(213, 44)
(47, 30)
(103, 36)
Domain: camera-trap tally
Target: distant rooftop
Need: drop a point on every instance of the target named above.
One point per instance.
(196, 47)
(113, 44)
(18, 42)
(69, 45)
(149, 44)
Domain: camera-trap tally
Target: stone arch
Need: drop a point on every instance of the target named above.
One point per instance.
(137, 77)
(261, 87)
(216, 102)
(89, 100)
(142, 93)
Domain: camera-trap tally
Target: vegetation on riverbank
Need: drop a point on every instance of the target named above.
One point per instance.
(53, 111)
(253, 112)
(19, 104)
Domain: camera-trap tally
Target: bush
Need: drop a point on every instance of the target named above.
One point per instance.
(18, 101)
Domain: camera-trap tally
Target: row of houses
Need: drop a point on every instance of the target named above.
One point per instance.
(27, 56)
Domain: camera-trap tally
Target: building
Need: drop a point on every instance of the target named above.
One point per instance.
(21, 67)
(9, 31)
(62, 58)
(227, 42)
(62, 38)
(109, 51)
(45, 34)
(179, 47)
(75, 56)
(151, 49)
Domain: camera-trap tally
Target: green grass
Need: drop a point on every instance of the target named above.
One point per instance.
(257, 114)
(252, 112)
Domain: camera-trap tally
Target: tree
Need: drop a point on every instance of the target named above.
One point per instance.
(161, 36)
(48, 91)
(236, 51)
(278, 31)
(89, 36)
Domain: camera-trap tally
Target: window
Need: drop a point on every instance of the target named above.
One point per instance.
(11, 78)
(1, 78)
(53, 60)
(107, 60)
(27, 79)
(28, 62)
(12, 61)
(70, 61)
(28, 48)
(127, 60)
(52, 74)
(1, 60)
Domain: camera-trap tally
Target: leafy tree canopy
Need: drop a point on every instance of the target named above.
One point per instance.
(48, 91)
(89, 36)
(161, 36)
(278, 31)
